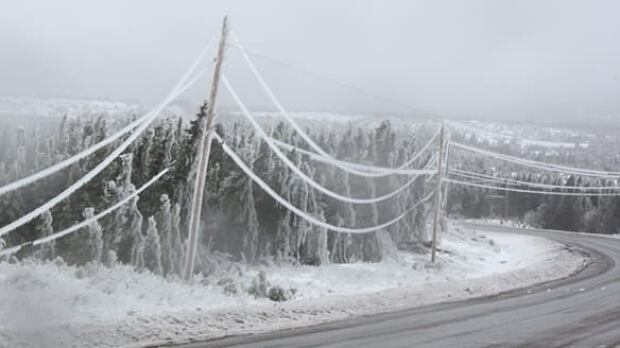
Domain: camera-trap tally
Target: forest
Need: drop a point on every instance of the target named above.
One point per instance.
(240, 221)
(595, 214)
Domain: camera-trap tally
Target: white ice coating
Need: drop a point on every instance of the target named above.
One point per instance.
(552, 193)
(510, 181)
(296, 169)
(540, 165)
(111, 157)
(322, 155)
(86, 222)
(372, 171)
(178, 89)
(311, 219)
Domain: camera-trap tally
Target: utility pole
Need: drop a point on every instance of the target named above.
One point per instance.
(438, 194)
(505, 219)
(204, 150)
(446, 185)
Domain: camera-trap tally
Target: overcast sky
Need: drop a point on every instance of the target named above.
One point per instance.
(518, 59)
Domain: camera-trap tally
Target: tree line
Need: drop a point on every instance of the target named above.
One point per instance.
(239, 218)
(571, 213)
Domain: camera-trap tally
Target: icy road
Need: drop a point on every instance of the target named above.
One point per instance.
(581, 311)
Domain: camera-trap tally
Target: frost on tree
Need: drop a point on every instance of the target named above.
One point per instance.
(313, 242)
(152, 248)
(176, 242)
(282, 240)
(45, 251)
(95, 240)
(239, 205)
(121, 238)
(242, 218)
(164, 225)
(145, 154)
(136, 239)
(344, 216)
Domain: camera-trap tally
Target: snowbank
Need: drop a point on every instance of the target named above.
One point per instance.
(54, 305)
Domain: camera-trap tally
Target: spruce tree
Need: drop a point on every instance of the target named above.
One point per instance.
(176, 242)
(136, 239)
(95, 240)
(164, 225)
(46, 251)
(152, 248)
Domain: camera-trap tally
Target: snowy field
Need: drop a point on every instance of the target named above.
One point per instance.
(54, 305)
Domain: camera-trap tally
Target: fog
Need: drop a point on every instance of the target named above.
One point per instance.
(500, 59)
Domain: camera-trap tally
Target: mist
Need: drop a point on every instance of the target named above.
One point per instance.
(555, 60)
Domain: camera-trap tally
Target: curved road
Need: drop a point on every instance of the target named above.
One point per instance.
(581, 311)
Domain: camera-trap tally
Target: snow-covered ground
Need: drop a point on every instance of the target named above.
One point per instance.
(51, 304)
(523, 225)
(498, 222)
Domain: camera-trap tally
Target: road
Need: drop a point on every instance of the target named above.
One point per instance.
(581, 311)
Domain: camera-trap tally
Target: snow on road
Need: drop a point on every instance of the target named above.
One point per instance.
(52, 304)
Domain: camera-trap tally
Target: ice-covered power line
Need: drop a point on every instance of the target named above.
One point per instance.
(511, 189)
(276, 101)
(329, 79)
(101, 166)
(311, 219)
(261, 133)
(369, 171)
(538, 164)
(76, 227)
(461, 126)
(515, 182)
(379, 172)
(177, 90)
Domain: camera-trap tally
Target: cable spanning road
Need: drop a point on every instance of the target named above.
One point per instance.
(581, 311)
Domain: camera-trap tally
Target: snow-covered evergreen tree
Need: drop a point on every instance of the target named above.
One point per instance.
(46, 251)
(136, 239)
(95, 233)
(152, 248)
(121, 237)
(239, 205)
(164, 226)
(316, 239)
(176, 242)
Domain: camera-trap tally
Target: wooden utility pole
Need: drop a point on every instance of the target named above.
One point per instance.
(438, 194)
(446, 185)
(204, 150)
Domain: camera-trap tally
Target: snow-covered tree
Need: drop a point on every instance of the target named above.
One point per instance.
(45, 251)
(164, 226)
(238, 204)
(95, 232)
(133, 229)
(152, 248)
(176, 242)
